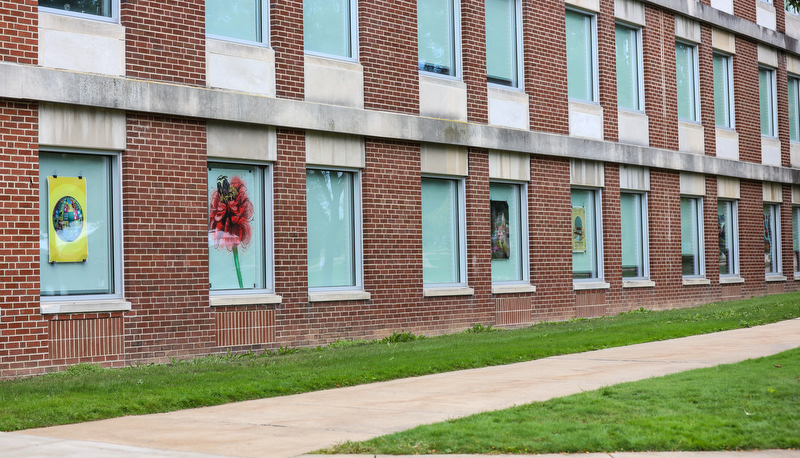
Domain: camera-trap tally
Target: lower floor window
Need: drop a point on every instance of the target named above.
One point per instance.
(508, 232)
(78, 224)
(633, 217)
(586, 230)
(795, 238)
(771, 239)
(442, 231)
(728, 237)
(692, 264)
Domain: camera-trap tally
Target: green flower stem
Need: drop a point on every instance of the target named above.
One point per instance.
(236, 262)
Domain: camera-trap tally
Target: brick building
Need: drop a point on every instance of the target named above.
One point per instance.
(190, 177)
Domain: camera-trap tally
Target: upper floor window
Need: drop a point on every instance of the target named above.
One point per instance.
(581, 56)
(438, 33)
(686, 73)
(767, 103)
(794, 108)
(502, 42)
(723, 95)
(329, 27)
(789, 8)
(101, 8)
(236, 19)
(629, 67)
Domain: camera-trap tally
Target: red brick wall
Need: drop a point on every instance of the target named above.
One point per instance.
(787, 253)
(473, 55)
(545, 56)
(19, 35)
(745, 9)
(388, 52)
(782, 89)
(23, 331)
(479, 244)
(286, 38)
(607, 64)
(664, 222)
(165, 230)
(706, 67)
(711, 241)
(165, 41)
(746, 102)
(612, 242)
(660, 100)
(751, 236)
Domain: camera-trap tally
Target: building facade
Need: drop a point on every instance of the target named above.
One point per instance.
(201, 176)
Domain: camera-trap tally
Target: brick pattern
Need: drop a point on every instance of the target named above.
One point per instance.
(479, 241)
(612, 242)
(244, 327)
(85, 339)
(19, 33)
(751, 237)
(607, 65)
(165, 231)
(746, 101)
(512, 311)
(165, 41)
(660, 87)
(745, 9)
(388, 52)
(545, 65)
(787, 250)
(286, 38)
(706, 76)
(782, 93)
(473, 56)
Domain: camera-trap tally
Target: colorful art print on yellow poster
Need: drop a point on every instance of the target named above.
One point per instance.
(66, 211)
(578, 230)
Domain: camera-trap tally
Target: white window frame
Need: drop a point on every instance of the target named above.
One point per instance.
(520, 86)
(697, 208)
(790, 9)
(645, 237)
(113, 18)
(598, 261)
(773, 101)
(729, 83)
(639, 62)
(734, 222)
(461, 203)
(263, 26)
(358, 234)
(775, 252)
(456, 45)
(794, 80)
(524, 237)
(269, 229)
(796, 229)
(695, 80)
(353, 57)
(595, 65)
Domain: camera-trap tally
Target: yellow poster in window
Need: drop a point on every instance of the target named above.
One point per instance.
(578, 230)
(66, 212)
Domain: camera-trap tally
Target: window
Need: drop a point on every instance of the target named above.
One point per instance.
(334, 229)
(100, 8)
(236, 19)
(329, 27)
(634, 235)
(766, 97)
(686, 74)
(239, 228)
(629, 65)
(692, 256)
(789, 8)
(509, 232)
(723, 95)
(796, 239)
(438, 34)
(794, 108)
(772, 240)
(728, 225)
(581, 56)
(503, 42)
(443, 231)
(79, 225)
(586, 235)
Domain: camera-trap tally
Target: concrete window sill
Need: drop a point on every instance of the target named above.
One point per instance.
(510, 289)
(448, 291)
(638, 284)
(98, 306)
(774, 278)
(587, 285)
(696, 281)
(730, 280)
(338, 296)
(223, 300)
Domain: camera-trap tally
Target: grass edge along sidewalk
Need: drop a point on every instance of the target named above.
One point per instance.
(87, 392)
(751, 405)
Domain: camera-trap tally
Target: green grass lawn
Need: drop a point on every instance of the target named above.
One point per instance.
(87, 392)
(750, 405)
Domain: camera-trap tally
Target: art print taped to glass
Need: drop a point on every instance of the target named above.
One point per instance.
(235, 234)
(500, 242)
(578, 230)
(67, 219)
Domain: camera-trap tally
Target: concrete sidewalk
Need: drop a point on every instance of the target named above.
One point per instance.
(293, 425)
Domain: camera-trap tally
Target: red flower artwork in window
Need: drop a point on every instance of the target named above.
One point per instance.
(229, 218)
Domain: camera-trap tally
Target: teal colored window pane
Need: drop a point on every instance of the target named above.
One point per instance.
(331, 229)
(94, 7)
(584, 227)
(627, 46)
(722, 90)
(96, 274)
(766, 98)
(440, 229)
(580, 68)
(794, 115)
(795, 238)
(725, 228)
(436, 36)
(506, 232)
(326, 27)
(771, 239)
(686, 78)
(632, 235)
(501, 42)
(239, 19)
(690, 237)
(236, 227)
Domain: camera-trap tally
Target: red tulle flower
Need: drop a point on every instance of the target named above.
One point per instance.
(230, 214)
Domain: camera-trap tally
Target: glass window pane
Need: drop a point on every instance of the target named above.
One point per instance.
(326, 27)
(794, 115)
(721, 91)
(507, 262)
(765, 95)
(584, 234)
(627, 44)
(770, 239)
(501, 42)
(235, 227)
(632, 237)
(690, 237)
(795, 238)
(436, 36)
(240, 19)
(440, 229)
(686, 81)
(95, 275)
(95, 7)
(725, 229)
(331, 229)
(580, 71)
